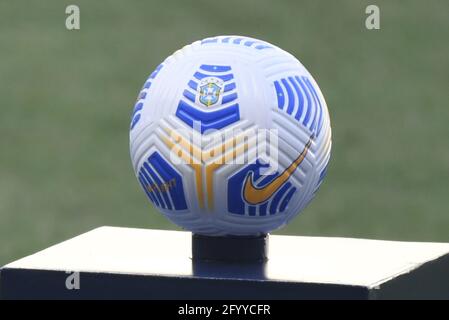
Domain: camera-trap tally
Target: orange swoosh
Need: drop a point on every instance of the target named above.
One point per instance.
(254, 195)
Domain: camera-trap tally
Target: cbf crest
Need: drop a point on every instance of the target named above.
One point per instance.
(210, 90)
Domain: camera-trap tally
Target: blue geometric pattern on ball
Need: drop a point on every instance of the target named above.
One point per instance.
(226, 77)
(242, 41)
(142, 96)
(220, 99)
(212, 68)
(275, 205)
(162, 183)
(207, 120)
(297, 97)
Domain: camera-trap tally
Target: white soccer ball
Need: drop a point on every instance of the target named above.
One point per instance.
(230, 136)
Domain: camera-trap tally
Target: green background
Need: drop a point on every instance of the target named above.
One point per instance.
(66, 99)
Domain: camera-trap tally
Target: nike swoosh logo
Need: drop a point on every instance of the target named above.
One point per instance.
(254, 195)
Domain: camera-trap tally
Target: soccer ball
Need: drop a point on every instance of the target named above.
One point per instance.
(230, 136)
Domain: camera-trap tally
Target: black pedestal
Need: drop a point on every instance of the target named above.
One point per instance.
(238, 249)
(123, 263)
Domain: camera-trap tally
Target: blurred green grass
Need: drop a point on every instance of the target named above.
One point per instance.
(66, 98)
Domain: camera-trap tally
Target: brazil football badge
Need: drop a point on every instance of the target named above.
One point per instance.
(210, 90)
